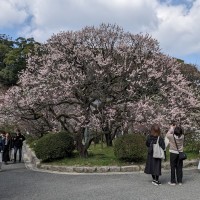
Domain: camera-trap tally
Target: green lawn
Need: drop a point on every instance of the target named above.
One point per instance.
(190, 155)
(99, 156)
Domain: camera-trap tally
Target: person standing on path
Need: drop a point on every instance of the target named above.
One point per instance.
(175, 163)
(153, 165)
(18, 143)
(6, 148)
(171, 130)
(2, 142)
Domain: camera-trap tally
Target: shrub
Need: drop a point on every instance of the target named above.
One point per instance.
(192, 142)
(130, 147)
(54, 146)
(32, 144)
(30, 139)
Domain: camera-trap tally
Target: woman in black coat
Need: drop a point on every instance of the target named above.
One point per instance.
(153, 165)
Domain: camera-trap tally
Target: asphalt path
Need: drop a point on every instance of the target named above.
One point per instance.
(19, 183)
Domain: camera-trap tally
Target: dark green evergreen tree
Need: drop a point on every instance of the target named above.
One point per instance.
(13, 55)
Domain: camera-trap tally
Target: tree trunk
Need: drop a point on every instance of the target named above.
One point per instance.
(108, 136)
(108, 139)
(79, 145)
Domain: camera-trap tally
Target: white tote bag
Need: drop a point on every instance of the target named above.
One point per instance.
(199, 166)
(158, 152)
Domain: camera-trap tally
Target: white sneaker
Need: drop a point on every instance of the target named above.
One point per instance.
(173, 184)
(180, 184)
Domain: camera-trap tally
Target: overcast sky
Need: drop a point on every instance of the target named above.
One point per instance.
(174, 23)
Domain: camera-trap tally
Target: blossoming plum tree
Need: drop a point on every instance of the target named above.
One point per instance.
(101, 77)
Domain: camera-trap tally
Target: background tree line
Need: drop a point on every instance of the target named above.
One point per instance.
(13, 55)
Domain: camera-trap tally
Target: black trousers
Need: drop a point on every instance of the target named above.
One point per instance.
(6, 156)
(176, 168)
(155, 177)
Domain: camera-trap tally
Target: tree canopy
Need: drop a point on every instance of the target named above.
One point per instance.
(100, 77)
(13, 55)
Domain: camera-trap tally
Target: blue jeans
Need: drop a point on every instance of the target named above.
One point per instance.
(15, 153)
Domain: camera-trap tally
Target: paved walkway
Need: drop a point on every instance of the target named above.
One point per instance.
(19, 183)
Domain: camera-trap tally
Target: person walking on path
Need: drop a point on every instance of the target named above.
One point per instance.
(18, 143)
(2, 142)
(175, 163)
(153, 165)
(6, 148)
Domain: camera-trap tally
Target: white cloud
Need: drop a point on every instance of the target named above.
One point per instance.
(174, 25)
(178, 30)
(52, 16)
(12, 13)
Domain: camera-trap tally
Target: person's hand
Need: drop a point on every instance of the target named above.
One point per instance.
(171, 129)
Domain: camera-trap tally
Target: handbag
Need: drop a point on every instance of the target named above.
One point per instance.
(199, 165)
(158, 152)
(182, 155)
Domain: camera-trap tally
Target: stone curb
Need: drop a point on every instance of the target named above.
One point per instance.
(30, 157)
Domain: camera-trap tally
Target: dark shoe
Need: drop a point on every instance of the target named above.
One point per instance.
(5, 163)
(159, 183)
(154, 182)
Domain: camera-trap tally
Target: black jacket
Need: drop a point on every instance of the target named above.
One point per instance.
(153, 165)
(153, 139)
(18, 140)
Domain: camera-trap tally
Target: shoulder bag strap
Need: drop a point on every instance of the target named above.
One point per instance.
(176, 143)
(158, 139)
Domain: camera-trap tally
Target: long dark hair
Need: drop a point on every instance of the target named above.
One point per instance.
(178, 131)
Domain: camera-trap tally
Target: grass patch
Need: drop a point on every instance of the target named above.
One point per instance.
(190, 155)
(99, 156)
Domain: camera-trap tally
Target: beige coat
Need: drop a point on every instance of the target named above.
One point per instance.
(172, 144)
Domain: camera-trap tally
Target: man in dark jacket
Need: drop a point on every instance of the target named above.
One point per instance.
(17, 143)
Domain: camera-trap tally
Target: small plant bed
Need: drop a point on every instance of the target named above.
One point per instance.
(103, 156)
(98, 156)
